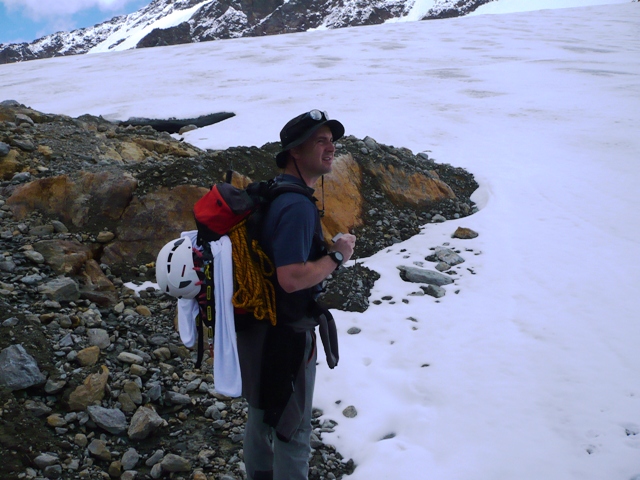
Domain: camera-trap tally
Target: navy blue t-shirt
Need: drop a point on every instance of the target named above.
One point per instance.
(290, 226)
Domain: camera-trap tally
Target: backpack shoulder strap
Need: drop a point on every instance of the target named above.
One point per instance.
(276, 188)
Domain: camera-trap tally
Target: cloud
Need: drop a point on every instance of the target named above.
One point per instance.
(40, 10)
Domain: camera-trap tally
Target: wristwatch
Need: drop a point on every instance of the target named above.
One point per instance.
(337, 257)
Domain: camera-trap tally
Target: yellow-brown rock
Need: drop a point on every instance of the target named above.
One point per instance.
(414, 189)
(89, 197)
(342, 197)
(464, 233)
(56, 420)
(166, 148)
(143, 310)
(131, 152)
(45, 150)
(105, 237)
(109, 153)
(90, 392)
(10, 164)
(87, 357)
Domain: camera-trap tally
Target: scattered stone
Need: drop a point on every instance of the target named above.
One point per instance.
(63, 289)
(81, 440)
(110, 419)
(98, 448)
(99, 337)
(143, 310)
(34, 256)
(443, 266)
(464, 233)
(350, 412)
(434, 291)
(37, 408)
(18, 369)
(54, 386)
(127, 357)
(105, 237)
(22, 118)
(448, 256)
(11, 322)
(420, 275)
(187, 128)
(88, 356)
(143, 423)
(175, 463)
(59, 227)
(130, 459)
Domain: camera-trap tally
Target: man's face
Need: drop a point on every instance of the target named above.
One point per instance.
(315, 155)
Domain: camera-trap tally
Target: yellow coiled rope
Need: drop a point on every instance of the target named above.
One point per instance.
(254, 292)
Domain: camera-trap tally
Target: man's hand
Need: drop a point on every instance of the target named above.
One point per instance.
(345, 245)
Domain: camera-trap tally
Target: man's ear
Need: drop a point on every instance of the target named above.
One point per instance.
(294, 153)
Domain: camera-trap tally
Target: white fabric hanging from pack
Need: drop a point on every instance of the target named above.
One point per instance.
(188, 308)
(226, 363)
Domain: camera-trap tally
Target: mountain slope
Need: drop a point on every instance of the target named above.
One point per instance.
(171, 22)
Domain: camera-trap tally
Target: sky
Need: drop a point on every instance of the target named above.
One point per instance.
(28, 20)
(531, 370)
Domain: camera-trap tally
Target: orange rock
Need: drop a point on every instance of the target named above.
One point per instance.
(413, 189)
(342, 197)
(90, 392)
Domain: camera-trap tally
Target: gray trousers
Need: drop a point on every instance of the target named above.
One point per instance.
(268, 458)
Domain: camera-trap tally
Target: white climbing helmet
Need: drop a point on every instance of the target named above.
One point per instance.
(174, 269)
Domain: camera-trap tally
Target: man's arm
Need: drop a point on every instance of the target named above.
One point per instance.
(298, 276)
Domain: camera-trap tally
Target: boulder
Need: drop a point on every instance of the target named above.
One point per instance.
(420, 275)
(342, 197)
(85, 200)
(410, 188)
(64, 256)
(150, 222)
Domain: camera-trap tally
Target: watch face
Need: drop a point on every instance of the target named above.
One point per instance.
(337, 257)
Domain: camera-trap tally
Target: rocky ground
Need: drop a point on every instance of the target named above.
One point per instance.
(110, 391)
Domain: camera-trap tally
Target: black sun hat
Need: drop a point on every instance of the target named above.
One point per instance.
(299, 129)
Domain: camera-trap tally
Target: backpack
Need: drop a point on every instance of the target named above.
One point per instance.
(237, 213)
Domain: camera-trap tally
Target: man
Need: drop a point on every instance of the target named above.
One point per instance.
(279, 362)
